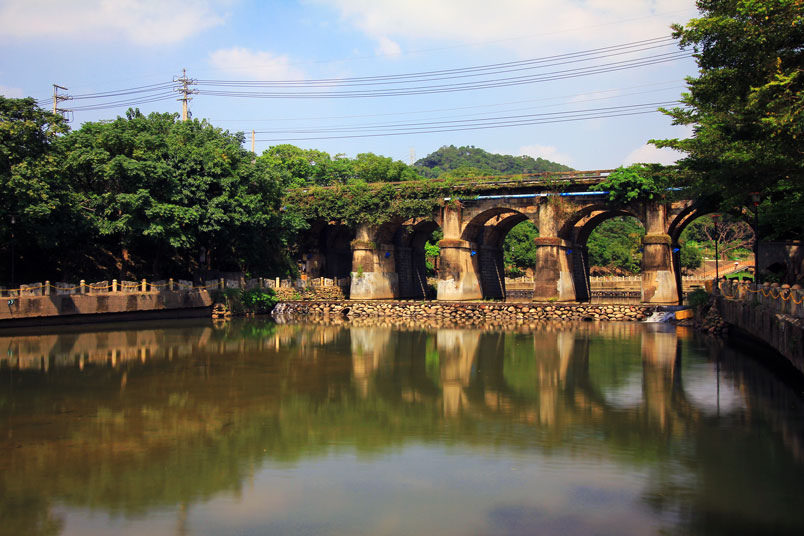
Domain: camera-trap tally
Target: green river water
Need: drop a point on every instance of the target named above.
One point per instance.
(252, 427)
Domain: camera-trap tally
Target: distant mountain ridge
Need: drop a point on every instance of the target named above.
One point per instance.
(450, 158)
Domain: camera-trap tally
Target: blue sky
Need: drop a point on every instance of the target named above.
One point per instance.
(99, 46)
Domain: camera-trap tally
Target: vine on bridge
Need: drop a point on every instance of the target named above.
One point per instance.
(359, 202)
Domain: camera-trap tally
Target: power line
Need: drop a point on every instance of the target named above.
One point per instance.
(480, 121)
(571, 117)
(127, 91)
(127, 103)
(464, 86)
(487, 76)
(462, 72)
(564, 99)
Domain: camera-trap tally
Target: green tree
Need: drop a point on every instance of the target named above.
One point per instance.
(309, 167)
(450, 158)
(370, 167)
(637, 182)
(615, 245)
(34, 193)
(166, 193)
(746, 107)
(519, 249)
(690, 255)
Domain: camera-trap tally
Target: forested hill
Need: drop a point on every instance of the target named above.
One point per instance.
(451, 158)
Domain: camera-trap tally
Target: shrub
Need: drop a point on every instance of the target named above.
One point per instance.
(698, 298)
(259, 300)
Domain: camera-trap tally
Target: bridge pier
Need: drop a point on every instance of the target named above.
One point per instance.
(457, 275)
(553, 271)
(658, 276)
(373, 274)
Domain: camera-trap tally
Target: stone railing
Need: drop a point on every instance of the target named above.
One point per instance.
(783, 299)
(47, 288)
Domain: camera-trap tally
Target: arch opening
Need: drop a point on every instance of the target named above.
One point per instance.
(711, 244)
(488, 234)
(325, 250)
(607, 243)
(417, 259)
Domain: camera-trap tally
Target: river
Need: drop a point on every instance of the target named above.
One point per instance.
(251, 427)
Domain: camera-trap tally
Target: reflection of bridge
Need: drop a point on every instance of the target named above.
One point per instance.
(472, 376)
(388, 261)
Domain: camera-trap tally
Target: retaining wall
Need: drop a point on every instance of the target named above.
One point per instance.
(107, 307)
(783, 332)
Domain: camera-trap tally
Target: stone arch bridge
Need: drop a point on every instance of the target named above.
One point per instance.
(387, 261)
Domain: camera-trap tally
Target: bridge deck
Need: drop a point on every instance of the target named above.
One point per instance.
(544, 180)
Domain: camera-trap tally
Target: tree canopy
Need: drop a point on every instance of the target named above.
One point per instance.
(746, 108)
(37, 201)
(165, 189)
(299, 167)
(140, 195)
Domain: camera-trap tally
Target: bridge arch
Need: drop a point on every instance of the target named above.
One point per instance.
(325, 249)
(583, 228)
(692, 212)
(485, 233)
(411, 258)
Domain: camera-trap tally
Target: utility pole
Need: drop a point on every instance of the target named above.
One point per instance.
(252, 142)
(59, 98)
(185, 91)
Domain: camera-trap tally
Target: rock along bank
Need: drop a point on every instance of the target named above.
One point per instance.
(466, 312)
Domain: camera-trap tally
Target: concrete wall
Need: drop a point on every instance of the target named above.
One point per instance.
(77, 308)
(782, 332)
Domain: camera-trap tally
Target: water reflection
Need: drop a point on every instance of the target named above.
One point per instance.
(133, 422)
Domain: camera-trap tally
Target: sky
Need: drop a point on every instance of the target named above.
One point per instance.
(573, 81)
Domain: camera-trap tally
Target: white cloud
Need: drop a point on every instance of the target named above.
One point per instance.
(526, 26)
(650, 154)
(254, 65)
(143, 22)
(11, 92)
(387, 47)
(548, 152)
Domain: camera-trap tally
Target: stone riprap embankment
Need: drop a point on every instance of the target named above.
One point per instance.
(332, 293)
(466, 312)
